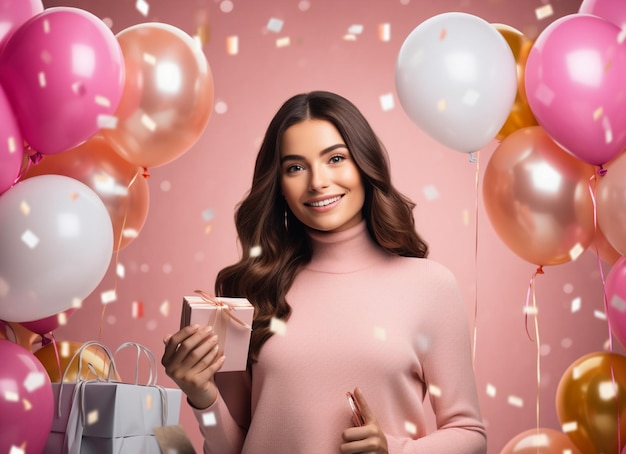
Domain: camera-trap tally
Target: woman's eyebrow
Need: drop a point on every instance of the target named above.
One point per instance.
(295, 157)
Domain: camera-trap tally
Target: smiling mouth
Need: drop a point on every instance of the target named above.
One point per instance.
(323, 203)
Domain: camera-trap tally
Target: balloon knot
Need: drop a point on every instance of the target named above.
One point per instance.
(602, 171)
(539, 270)
(145, 173)
(35, 157)
(472, 157)
(45, 340)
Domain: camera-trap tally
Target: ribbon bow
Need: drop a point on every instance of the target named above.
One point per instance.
(223, 307)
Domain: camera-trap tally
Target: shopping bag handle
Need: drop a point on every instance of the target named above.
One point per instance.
(152, 379)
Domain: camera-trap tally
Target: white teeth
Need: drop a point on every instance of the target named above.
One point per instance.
(323, 203)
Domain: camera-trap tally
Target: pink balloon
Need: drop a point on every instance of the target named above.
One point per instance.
(13, 13)
(11, 145)
(63, 72)
(48, 324)
(575, 86)
(616, 296)
(26, 407)
(611, 10)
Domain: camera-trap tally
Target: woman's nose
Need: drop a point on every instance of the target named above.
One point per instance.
(319, 179)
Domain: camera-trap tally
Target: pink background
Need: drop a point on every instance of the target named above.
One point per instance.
(189, 233)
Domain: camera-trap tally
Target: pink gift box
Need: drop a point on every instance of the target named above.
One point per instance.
(231, 319)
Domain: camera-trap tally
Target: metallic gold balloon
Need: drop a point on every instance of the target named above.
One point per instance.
(537, 198)
(540, 441)
(94, 362)
(521, 116)
(589, 402)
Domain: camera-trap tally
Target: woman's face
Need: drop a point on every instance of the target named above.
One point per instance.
(319, 180)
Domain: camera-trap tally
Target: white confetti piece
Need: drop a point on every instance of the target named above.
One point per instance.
(355, 29)
(208, 419)
(515, 401)
(102, 101)
(143, 7)
(349, 37)
(621, 37)
(434, 390)
(220, 107)
(576, 251)
(42, 79)
(431, 192)
(576, 305)
(105, 121)
(600, 315)
(148, 122)
(232, 45)
(92, 417)
(108, 296)
(33, 381)
(618, 303)
(256, 251)
(164, 308)
(11, 396)
(227, 6)
(380, 333)
(283, 42)
(410, 427)
(30, 239)
(16, 450)
(570, 427)
(46, 26)
(490, 390)
(470, 98)
(275, 25)
(120, 270)
(208, 214)
(607, 390)
(577, 372)
(608, 132)
(387, 102)
(544, 11)
(384, 32)
(278, 326)
(64, 349)
(77, 303)
(531, 310)
(62, 318)
(149, 58)
(11, 144)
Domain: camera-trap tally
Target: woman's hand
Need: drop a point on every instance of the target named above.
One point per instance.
(191, 359)
(368, 438)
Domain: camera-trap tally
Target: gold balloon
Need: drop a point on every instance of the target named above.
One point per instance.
(520, 116)
(94, 362)
(540, 441)
(537, 198)
(590, 402)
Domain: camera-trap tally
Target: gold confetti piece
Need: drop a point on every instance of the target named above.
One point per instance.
(42, 79)
(148, 122)
(25, 208)
(164, 309)
(108, 296)
(92, 417)
(570, 427)
(232, 45)
(256, 251)
(576, 251)
(600, 315)
(384, 32)
(137, 309)
(349, 37)
(143, 7)
(275, 25)
(442, 34)
(11, 396)
(515, 401)
(64, 349)
(387, 102)
(149, 402)
(434, 390)
(380, 333)
(410, 427)
(442, 105)
(465, 217)
(26, 404)
(278, 326)
(34, 381)
(597, 113)
(283, 42)
(30, 239)
(576, 305)
(208, 229)
(208, 419)
(544, 11)
(73, 195)
(491, 390)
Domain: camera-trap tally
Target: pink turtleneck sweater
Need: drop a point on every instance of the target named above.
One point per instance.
(396, 327)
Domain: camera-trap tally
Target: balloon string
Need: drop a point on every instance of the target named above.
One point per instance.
(142, 172)
(592, 191)
(530, 296)
(475, 331)
(56, 354)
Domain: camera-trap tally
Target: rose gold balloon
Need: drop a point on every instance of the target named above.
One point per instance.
(601, 246)
(168, 95)
(94, 362)
(18, 334)
(537, 198)
(540, 441)
(117, 182)
(591, 399)
(521, 116)
(611, 203)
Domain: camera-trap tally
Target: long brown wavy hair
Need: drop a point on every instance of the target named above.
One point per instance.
(274, 243)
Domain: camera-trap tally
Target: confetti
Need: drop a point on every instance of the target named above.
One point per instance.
(355, 29)
(137, 309)
(209, 419)
(576, 305)
(597, 113)
(618, 303)
(621, 37)
(77, 303)
(491, 390)
(208, 214)
(42, 79)
(148, 122)
(275, 25)
(544, 11)
(16, 450)
(226, 6)
(92, 417)
(108, 296)
(442, 105)
(442, 34)
(470, 97)
(232, 45)
(599, 315)
(30, 239)
(149, 58)
(608, 134)
(349, 37)
(387, 102)
(221, 107)
(570, 427)
(25, 208)
(531, 310)
(410, 427)
(576, 251)
(11, 396)
(164, 308)
(515, 401)
(11, 144)
(380, 333)
(102, 101)
(105, 121)
(255, 251)
(64, 349)
(143, 7)
(26, 404)
(120, 270)
(46, 26)
(278, 326)
(283, 42)
(577, 372)
(431, 192)
(434, 390)
(33, 381)
(384, 32)
(148, 401)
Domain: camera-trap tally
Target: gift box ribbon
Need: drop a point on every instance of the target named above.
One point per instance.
(224, 312)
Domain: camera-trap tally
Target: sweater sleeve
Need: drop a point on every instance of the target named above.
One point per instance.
(225, 423)
(449, 377)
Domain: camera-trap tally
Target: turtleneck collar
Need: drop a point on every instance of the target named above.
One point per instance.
(344, 252)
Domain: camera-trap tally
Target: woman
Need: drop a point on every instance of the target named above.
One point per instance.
(342, 268)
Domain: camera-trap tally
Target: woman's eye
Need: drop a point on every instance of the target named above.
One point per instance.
(293, 168)
(337, 158)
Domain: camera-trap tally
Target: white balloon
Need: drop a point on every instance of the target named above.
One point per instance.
(56, 243)
(456, 78)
